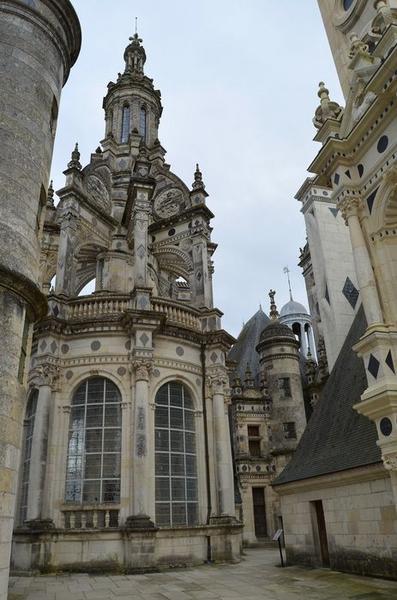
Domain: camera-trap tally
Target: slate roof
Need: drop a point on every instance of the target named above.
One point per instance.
(243, 351)
(337, 437)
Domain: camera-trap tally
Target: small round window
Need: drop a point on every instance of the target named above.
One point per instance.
(347, 4)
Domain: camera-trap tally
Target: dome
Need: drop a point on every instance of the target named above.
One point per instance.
(276, 330)
(293, 308)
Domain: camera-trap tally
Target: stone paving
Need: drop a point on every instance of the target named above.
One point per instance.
(257, 577)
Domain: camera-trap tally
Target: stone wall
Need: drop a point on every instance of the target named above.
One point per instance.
(360, 519)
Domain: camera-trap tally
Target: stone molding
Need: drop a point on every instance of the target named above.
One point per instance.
(24, 288)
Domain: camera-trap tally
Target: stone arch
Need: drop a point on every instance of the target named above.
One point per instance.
(384, 209)
(182, 379)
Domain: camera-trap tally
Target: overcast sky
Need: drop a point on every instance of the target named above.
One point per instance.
(239, 82)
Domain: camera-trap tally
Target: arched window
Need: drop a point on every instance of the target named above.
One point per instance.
(94, 446)
(143, 123)
(175, 445)
(125, 124)
(26, 454)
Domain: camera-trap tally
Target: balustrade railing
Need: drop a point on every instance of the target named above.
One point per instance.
(177, 314)
(91, 518)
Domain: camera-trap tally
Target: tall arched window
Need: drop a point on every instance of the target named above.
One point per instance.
(125, 124)
(26, 454)
(175, 445)
(94, 447)
(143, 123)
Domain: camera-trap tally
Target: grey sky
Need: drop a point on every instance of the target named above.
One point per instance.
(239, 85)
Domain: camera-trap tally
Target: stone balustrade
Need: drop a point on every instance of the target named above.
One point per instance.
(90, 518)
(98, 305)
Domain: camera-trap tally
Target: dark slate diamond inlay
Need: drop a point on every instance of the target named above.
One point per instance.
(371, 199)
(386, 426)
(350, 292)
(326, 295)
(334, 211)
(389, 361)
(360, 169)
(373, 366)
(336, 178)
(347, 173)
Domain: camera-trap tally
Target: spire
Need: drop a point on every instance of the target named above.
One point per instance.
(135, 55)
(273, 308)
(50, 194)
(198, 179)
(328, 109)
(75, 162)
(287, 271)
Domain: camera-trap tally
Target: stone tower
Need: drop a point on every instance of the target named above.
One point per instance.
(39, 42)
(279, 358)
(137, 367)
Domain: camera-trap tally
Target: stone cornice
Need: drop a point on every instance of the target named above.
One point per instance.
(24, 288)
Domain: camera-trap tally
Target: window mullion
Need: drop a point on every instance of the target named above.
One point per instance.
(83, 450)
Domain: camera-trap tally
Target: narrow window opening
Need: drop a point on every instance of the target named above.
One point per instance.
(30, 415)
(143, 123)
(125, 124)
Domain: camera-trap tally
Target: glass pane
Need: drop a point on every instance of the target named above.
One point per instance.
(111, 465)
(111, 491)
(177, 441)
(161, 417)
(73, 491)
(94, 416)
(192, 517)
(162, 488)
(175, 394)
(77, 417)
(179, 514)
(79, 395)
(162, 439)
(93, 440)
(190, 465)
(95, 390)
(163, 514)
(177, 464)
(92, 466)
(162, 395)
(190, 443)
(112, 415)
(176, 418)
(188, 400)
(162, 463)
(91, 490)
(189, 420)
(191, 485)
(112, 392)
(178, 489)
(76, 441)
(112, 442)
(74, 467)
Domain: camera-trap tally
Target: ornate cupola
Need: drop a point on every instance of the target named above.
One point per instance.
(132, 105)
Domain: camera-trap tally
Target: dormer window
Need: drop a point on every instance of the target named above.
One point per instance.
(125, 124)
(143, 123)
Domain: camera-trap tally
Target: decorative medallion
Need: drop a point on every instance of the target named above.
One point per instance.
(180, 351)
(95, 345)
(168, 203)
(385, 426)
(121, 371)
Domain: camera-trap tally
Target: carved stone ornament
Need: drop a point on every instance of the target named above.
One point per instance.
(168, 203)
(350, 206)
(142, 369)
(98, 192)
(45, 374)
(217, 381)
(390, 462)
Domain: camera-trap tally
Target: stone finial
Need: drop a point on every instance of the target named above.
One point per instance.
(50, 194)
(273, 308)
(135, 56)
(198, 179)
(384, 17)
(75, 162)
(328, 109)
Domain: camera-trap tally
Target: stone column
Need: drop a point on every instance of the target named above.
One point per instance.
(223, 455)
(142, 472)
(202, 282)
(350, 207)
(38, 459)
(65, 275)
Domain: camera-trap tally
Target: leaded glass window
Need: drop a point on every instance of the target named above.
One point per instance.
(125, 124)
(94, 444)
(26, 454)
(176, 466)
(143, 123)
